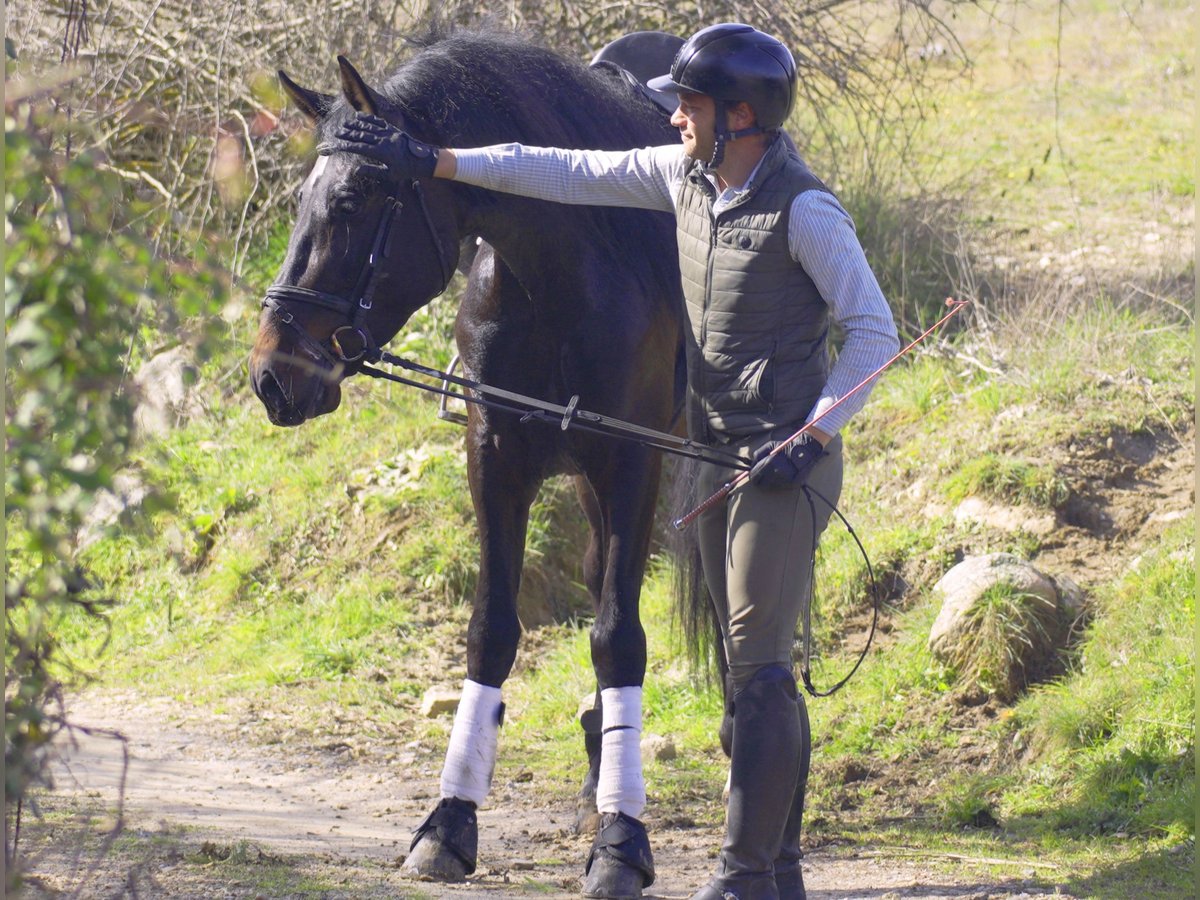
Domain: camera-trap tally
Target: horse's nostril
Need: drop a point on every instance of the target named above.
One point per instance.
(269, 391)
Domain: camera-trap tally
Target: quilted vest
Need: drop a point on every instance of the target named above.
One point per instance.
(757, 358)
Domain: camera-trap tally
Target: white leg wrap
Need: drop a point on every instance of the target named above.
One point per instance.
(621, 787)
(471, 756)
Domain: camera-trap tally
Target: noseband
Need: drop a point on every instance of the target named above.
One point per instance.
(341, 349)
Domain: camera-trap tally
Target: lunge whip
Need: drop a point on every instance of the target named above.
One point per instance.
(738, 480)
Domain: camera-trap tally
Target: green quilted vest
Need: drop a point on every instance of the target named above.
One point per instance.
(757, 359)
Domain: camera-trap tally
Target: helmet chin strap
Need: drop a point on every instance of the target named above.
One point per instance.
(722, 135)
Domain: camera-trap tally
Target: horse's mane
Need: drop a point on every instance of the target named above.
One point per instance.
(470, 88)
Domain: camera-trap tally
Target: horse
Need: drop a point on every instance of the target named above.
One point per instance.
(560, 302)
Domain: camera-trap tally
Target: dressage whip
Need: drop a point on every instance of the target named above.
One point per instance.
(738, 480)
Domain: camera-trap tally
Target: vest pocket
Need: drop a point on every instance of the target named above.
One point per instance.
(762, 390)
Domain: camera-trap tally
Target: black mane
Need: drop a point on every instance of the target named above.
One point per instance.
(474, 88)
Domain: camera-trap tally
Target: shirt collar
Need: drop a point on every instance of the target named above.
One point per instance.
(729, 195)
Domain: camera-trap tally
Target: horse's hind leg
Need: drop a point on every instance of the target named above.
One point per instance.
(586, 817)
(445, 845)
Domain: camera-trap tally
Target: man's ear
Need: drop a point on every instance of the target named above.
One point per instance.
(741, 115)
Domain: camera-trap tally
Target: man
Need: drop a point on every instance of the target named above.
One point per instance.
(767, 254)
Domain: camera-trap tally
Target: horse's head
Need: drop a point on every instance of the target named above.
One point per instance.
(366, 252)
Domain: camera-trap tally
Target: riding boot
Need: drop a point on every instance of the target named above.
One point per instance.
(763, 772)
(788, 875)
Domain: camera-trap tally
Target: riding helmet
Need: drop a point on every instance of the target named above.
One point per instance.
(732, 63)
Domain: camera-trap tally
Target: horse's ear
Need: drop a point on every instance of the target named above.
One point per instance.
(311, 103)
(361, 97)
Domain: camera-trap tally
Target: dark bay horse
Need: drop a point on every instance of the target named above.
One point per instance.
(560, 301)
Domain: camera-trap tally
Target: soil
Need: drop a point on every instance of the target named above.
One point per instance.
(199, 796)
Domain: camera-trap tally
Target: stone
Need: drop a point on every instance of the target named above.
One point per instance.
(1021, 640)
(128, 493)
(439, 701)
(1010, 519)
(165, 392)
(655, 746)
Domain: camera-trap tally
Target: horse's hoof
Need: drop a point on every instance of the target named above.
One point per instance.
(620, 864)
(445, 845)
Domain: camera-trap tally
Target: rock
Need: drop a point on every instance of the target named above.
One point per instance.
(1072, 601)
(655, 746)
(1002, 621)
(438, 701)
(165, 392)
(1010, 519)
(128, 492)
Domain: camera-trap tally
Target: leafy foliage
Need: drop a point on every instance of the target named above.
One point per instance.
(83, 293)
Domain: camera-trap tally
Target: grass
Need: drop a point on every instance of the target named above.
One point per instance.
(1001, 627)
(1115, 736)
(1079, 772)
(1008, 479)
(1104, 113)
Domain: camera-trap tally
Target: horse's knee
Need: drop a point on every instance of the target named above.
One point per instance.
(618, 651)
(492, 641)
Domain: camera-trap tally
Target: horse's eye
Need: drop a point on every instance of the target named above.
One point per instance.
(347, 205)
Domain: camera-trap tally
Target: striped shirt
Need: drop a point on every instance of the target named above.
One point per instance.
(821, 238)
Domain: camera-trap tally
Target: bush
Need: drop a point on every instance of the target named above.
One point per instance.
(83, 293)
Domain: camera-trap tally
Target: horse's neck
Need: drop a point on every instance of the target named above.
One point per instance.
(545, 245)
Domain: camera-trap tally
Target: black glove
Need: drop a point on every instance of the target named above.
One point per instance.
(789, 466)
(374, 138)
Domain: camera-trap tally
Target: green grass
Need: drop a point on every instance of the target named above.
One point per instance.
(1008, 479)
(1114, 738)
(1114, 132)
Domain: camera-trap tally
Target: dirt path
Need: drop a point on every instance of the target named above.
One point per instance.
(196, 795)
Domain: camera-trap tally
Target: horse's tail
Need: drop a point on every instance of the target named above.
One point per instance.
(693, 604)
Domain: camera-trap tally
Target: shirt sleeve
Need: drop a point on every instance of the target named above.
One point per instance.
(647, 178)
(822, 239)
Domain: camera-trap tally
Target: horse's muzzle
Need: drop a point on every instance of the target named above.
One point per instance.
(289, 408)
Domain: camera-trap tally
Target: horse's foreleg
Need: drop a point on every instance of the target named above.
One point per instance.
(620, 864)
(445, 845)
(586, 818)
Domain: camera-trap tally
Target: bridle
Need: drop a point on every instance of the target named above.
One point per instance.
(352, 342)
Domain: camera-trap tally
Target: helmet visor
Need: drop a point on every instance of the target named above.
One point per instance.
(667, 85)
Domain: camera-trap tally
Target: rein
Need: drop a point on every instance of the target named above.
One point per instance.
(570, 416)
(533, 409)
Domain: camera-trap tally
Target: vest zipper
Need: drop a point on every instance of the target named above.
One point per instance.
(708, 273)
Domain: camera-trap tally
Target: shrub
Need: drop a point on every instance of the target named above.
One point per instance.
(83, 292)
